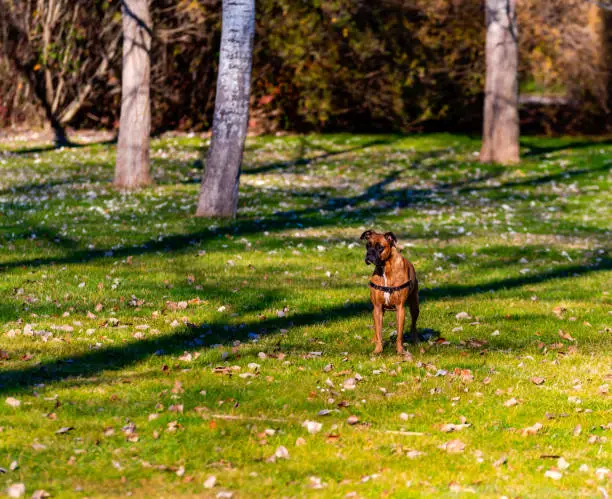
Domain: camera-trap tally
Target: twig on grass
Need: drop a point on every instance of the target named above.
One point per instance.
(231, 417)
(405, 433)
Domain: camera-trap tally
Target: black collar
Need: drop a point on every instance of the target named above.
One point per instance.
(390, 289)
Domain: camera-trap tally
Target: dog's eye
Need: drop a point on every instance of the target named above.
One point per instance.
(379, 247)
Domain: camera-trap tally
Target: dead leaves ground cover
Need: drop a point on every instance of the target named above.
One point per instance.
(145, 352)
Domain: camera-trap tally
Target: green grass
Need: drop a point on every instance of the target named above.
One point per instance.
(92, 339)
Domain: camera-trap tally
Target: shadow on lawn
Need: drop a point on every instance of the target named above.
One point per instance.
(43, 187)
(194, 336)
(305, 144)
(203, 336)
(541, 151)
(375, 201)
(69, 145)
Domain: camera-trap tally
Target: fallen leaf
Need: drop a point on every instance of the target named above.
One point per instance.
(350, 384)
(280, 453)
(537, 380)
(559, 311)
(562, 464)
(16, 490)
(210, 482)
(413, 454)
(13, 402)
(554, 474)
(450, 427)
(64, 429)
(453, 446)
(531, 430)
(312, 426)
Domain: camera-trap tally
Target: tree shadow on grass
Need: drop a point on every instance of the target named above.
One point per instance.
(35, 189)
(302, 160)
(534, 150)
(564, 272)
(69, 145)
(116, 357)
(349, 209)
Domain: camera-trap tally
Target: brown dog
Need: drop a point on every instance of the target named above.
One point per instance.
(393, 284)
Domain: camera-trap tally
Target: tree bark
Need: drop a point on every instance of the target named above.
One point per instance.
(500, 136)
(219, 191)
(607, 47)
(132, 168)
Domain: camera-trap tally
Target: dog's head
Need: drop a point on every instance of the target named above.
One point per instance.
(378, 246)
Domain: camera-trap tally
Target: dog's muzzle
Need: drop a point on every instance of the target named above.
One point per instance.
(372, 257)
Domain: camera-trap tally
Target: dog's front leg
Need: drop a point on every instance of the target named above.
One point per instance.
(400, 317)
(377, 313)
(413, 301)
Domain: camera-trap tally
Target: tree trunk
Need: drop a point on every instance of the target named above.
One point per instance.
(132, 167)
(500, 136)
(219, 192)
(607, 63)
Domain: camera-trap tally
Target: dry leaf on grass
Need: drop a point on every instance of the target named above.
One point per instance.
(531, 430)
(13, 402)
(453, 446)
(450, 427)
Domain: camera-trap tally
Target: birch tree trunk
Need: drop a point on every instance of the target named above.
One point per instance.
(132, 167)
(219, 191)
(500, 136)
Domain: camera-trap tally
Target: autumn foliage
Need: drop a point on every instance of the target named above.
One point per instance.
(389, 65)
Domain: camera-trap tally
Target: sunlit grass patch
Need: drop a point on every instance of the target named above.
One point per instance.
(177, 349)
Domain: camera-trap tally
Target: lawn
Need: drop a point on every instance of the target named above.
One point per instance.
(149, 353)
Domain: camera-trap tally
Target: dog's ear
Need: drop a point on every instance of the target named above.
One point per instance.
(391, 239)
(366, 235)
